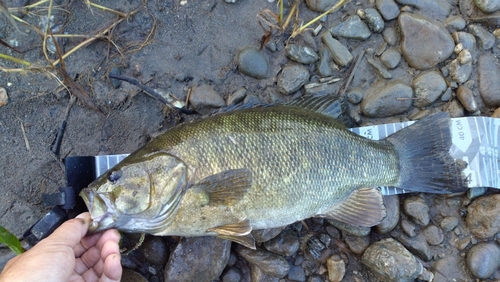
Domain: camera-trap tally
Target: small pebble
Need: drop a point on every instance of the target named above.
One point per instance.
(269, 263)
(496, 113)
(408, 228)
(355, 96)
(488, 6)
(390, 58)
(433, 234)
(353, 27)
(205, 96)
(464, 57)
(4, 99)
(286, 244)
(237, 96)
(324, 66)
(448, 223)
(388, 9)
(466, 97)
(296, 273)
(416, 208)
(372, 18)
(292, 78)
(233, 274)
(339, 52)
(460, 72)
(379, 68)
(385, 99)
(417, 245)
(455, 23)
(320, 5)
(155, 250)
(390, 221)
(253, 62)
(390, 35)
(486, 40)
(428, 86)
(483, 259)
(446, 95)
(463, 243)
(357, 244)
(301, 54)
(350, 229)
(336, 268)
(488, 74)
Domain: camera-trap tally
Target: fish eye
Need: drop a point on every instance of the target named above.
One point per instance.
(114, 176)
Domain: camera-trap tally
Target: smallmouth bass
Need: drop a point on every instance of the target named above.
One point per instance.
(267, 167)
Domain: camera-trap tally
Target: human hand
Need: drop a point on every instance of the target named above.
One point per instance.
(69, 255)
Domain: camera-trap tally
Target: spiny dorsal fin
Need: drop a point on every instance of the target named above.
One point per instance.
(329, 105)
(226, 187)
(236, 229)
(364, 207)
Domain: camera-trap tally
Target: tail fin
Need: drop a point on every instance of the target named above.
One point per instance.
(425, 162)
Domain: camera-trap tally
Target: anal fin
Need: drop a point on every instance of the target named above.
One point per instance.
(238, 232)
(364, 207)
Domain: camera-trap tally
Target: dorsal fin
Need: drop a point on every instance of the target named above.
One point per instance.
(226, 187)
(330, 105)
(364, 207)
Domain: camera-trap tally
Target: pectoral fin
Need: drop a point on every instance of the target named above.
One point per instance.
(364, 207)
(238, 232)
(227, 187)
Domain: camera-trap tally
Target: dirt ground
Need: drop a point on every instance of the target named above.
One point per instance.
(196, 41)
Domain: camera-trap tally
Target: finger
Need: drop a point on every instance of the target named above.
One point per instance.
(109, 235)
(88, 260)
(71, 232)
(112, 269)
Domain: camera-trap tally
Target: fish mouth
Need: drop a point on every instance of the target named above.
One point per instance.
(101, 210)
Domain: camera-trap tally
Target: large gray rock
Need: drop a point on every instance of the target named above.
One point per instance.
(390, 261)
(489, 84)
(285, 244)
(388, 9)
(425, 43)
(488, 6)
(387, 99)
(482, 216)
(198, 259)
(485, 38)
(483, 259)
(416, 208)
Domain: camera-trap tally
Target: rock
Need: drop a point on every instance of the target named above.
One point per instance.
(483, 259)
(205, 96)
(455, 23)
(198, 259)
(315, 247)
(372, 18)
(357, 244)
(320, 5)
(129, 275)
(349, 229)
(155, 250)
(408, 228)
(233, 274)
(468, 42)
(324, 66)
(251, 99)
(424, 43)
(321, 89)
(482, 216)
(416, 208)
(460, 72)
(433, 234)
(417, 245)
(264, 235)
(301, 54)
(296, 273)
(390, 36)
(440, 8)
(464, 57)
(4, 99)
(448, 223)
(496, 113)
(388, 9)
(454, 109)
(488, 74)
(485, 39)
(237, 96)
(285, 244)
(292, 78)
(256, 274)
(390, 58)
(316, 278)
(379, 68)
(466, 97)
(428, 86)
(336, 268)
(390, 261)
(463, 243)
(450, 268)
(446, 95)
(353, 27)
(387, 99)
(269, 263)
(340, 54)
(488, 6)
(115, 71)
(253, 62)
(355, 96)
(390, 221)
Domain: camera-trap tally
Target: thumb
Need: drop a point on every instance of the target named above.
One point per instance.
(73, 230)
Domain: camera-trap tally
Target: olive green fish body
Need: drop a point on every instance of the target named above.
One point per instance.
(267, 167)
